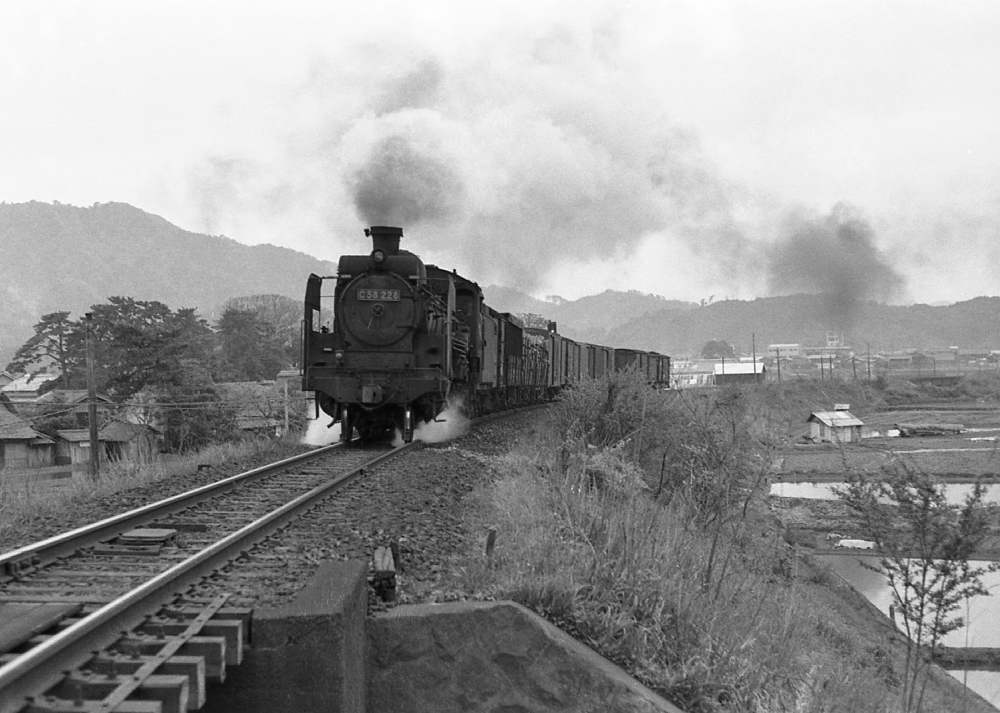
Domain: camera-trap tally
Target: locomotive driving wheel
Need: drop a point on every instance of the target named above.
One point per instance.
(346, 424)
(407, 429)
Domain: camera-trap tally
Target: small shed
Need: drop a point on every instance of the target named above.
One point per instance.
(134, 442)
(22, 446)
(73, 447)
(837, 426)
(731, 373)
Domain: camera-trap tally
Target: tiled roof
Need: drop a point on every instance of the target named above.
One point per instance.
(29, 382)
(15, 428)
(68, 396)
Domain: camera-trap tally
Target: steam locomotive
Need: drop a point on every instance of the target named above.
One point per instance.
(395, 341)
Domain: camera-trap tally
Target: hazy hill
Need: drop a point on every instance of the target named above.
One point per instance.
(802, 319)
(60, 257)
(589, 318)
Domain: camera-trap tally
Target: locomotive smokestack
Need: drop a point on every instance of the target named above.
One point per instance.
(385, 238)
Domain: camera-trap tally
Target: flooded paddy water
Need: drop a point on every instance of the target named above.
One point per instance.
(805, 478)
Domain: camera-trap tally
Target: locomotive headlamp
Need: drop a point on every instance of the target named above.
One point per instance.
(339, 357)
(378, 255)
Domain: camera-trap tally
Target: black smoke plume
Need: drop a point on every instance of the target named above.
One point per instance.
(401, 186)
(834, 256)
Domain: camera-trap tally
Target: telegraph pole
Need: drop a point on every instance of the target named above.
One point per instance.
(95, 454)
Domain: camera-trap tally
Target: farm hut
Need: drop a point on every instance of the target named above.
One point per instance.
(22, 446)
(134, 442)
(838, 426)
(735, 373)
(73, 447)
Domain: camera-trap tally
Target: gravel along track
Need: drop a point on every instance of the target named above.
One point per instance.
(100, 574)
(419, 500)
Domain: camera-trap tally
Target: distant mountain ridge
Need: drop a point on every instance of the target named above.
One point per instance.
(590, 318)
(59, 257)
(682, 328)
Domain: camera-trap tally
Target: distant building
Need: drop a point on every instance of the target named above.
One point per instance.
(837, 426)
(784, 350)
(973, 356)
(5, 378)
(26, 387)
(733, 373)
(944, 356)
(67, 401)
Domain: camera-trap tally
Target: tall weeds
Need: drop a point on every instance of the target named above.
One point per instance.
(24, 499)
(630, 523)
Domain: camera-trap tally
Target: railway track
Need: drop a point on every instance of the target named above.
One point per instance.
(113, 616)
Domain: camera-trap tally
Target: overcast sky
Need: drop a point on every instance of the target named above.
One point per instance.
(686, 149)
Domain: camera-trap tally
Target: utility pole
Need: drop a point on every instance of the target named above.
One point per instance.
(95, 454)
(777, 360)
(286, 409)
(753, 346)
(869, 361)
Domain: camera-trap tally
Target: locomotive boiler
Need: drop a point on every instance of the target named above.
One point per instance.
(383, 345)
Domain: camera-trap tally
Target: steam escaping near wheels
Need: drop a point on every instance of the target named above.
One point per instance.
(317, 433)
(451, 424)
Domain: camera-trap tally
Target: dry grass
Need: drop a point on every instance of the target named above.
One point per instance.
(666, 569)
(24, 499)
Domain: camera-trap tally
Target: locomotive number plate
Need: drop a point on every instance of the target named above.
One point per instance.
(378, 295)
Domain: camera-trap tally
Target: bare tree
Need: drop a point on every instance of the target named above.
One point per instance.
(925, 545)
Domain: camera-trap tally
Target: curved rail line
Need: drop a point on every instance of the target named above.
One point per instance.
(40, 668)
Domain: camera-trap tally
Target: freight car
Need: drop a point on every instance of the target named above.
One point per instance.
(389, 341)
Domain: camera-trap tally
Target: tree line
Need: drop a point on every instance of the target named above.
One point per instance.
(145, 352)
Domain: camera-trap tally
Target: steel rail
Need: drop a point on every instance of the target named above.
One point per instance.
(45, 551)
(43, 666)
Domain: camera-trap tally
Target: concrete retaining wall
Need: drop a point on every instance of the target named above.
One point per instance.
(323, 654)
(309, 656)
(491, 656)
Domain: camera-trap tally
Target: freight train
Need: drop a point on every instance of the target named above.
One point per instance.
(389, 342)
